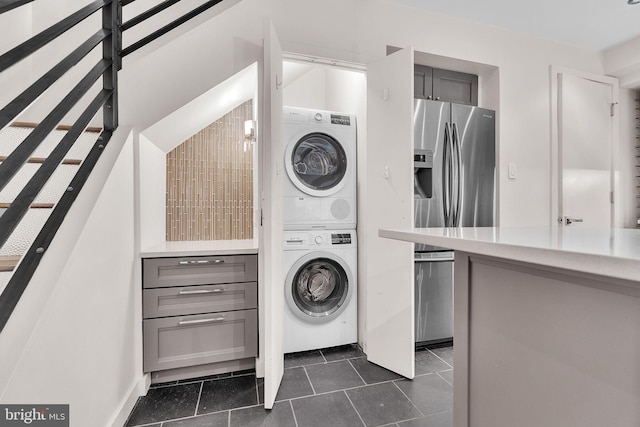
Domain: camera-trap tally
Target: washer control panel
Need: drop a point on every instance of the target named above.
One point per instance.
(341, 238)
(340, 119)
(302, 240)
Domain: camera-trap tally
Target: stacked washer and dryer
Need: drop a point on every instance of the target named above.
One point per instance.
(320, 247)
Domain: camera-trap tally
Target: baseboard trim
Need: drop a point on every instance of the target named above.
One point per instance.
(138, 388)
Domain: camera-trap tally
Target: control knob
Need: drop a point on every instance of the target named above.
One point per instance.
(318, 240)
(318, 117)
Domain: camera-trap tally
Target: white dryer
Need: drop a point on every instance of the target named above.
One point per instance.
(320, 289)
(320, 160)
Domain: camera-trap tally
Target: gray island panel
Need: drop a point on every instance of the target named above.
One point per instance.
(546, 325)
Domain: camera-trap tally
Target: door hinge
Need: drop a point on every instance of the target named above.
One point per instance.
(261, 217)
(612, 197)
(613, 109)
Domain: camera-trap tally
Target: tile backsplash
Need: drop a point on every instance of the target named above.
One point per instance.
(210, 182)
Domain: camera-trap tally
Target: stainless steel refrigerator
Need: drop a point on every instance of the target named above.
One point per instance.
(454, 186)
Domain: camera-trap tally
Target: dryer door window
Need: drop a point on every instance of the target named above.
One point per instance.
(320, 287)
(319, 161)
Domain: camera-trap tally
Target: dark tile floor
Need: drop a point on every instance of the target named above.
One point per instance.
(332, 387)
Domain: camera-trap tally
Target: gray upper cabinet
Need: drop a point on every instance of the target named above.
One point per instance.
(452, 86)
(445, 85)
(422, 82)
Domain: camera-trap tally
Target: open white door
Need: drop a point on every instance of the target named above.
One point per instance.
(586, 136)
(389, 204)
(271, 236)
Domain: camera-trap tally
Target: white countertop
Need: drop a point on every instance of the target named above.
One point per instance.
(201, 248)
(607, 252)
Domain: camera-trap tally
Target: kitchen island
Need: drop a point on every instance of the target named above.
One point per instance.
(546, 325)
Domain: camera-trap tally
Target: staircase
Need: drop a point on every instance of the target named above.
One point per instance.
(38, 186)
(68, 300)
(40, 209)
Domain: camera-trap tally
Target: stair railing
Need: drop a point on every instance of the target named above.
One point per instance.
(106, 69)
(106, 99)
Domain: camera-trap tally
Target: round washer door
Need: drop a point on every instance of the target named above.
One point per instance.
(316, 164)
(318, 287)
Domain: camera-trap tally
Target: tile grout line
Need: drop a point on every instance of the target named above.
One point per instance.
(423, 417)
(405, 395)
(295, 419)
(228, 418)
(354, 408)
(339, 390)
(199, 396)
(355, 369)
(447, 381)
(447, 363)
(313, 389)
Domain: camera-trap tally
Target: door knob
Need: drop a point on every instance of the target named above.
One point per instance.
(569, 221)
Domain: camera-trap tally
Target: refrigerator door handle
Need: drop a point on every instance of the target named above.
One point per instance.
(458, 173)
(446, 176)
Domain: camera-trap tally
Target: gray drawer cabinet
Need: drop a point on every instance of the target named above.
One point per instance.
(199, 311)
(185, 271)
(163, 302)
(179, 341)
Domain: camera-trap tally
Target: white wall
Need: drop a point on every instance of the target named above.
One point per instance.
(152, 164)
(82, 349)
(360, 33)
(42, 16)
(15, 29)
(307, 91)
(623, 61)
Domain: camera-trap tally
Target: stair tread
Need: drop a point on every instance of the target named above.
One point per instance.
(11, 137)
(52, 191)
(8, 263)
(91, 129)
(42, 159)
(33, 205)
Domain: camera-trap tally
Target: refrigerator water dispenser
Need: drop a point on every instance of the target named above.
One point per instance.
(423, 174)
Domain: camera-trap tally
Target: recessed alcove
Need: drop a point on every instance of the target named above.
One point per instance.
(196, 167)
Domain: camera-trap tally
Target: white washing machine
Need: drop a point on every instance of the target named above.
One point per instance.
(320, 289)
(320, 160)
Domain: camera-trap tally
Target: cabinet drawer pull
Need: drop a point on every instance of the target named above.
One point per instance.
(196, 322)
(202, 261)
(202, 291)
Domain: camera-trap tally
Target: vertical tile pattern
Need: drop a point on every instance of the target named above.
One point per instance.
(210, 182)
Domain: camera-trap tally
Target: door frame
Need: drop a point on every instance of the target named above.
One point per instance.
(555, 74)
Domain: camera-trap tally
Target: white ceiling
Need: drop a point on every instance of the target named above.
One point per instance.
(590, 24)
